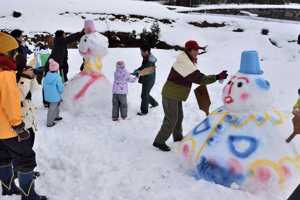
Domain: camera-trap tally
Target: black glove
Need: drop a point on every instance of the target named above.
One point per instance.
(22, 132)
(222, 75)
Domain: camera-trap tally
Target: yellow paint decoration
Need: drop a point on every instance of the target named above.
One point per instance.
(258, 163)
(98, 65)
(193, 148)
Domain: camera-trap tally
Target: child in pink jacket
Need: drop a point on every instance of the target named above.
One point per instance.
(120, 90)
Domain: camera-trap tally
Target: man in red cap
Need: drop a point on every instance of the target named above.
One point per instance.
(176, 89)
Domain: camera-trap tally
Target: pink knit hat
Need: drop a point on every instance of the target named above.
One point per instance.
(120, 64)
(53, 65)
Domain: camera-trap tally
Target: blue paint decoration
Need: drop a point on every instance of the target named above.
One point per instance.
(220, 110)
(239, 120)
(202, 127)
(218, 174)
(235, 139)
(213, 141)
(274, 119)
(229, 117)
(262, 83)
(220, 128)
(259, 119)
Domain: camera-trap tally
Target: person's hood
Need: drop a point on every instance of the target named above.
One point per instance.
(183, 65)
(152, 58)
(51, 77)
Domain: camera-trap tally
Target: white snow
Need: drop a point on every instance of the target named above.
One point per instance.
(90, 156)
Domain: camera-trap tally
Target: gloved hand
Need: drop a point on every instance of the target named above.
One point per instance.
(135, 72)
(22, 132)
(222, 75)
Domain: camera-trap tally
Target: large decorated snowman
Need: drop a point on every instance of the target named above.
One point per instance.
(242, 144)
(89, 89)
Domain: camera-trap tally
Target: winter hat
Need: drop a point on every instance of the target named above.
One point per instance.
(120, 64)
(250, 63)
(145, 47)
(59, 33)
(7, 43)
(53, 65)
(192, 45)
(89, 24)
(16, 33)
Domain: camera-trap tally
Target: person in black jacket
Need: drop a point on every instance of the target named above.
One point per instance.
(23, 49)
(59, 53)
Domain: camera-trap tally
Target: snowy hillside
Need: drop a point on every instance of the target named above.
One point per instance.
(90, 156)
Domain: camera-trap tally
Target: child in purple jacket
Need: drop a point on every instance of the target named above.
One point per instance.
(120, 90)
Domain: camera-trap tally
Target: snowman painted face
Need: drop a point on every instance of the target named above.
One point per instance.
(92, 45)
(245, 92)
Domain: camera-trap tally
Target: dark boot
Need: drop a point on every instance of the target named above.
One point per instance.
(27, 187)
(7, 181)
(15, 169)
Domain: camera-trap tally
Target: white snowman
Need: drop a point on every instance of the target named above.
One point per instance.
(89, 89)
(242, 143)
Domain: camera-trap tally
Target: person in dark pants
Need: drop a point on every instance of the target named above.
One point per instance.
(59, 53)
(14, 142)
(183, 73)
(27, 84)
(147, 81)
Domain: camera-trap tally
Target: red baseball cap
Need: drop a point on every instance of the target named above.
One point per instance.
(192, 45)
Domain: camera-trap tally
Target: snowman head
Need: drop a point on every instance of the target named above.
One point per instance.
(248, 90)
(92, 45)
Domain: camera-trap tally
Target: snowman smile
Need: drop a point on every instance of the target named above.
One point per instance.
(228, 100)
(88, 52)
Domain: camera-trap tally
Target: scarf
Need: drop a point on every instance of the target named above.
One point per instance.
(195, 60)
(7, 64)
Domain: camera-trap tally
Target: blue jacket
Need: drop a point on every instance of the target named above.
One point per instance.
(53, 87)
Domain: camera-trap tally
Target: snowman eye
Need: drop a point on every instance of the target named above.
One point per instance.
(240, 84)
(229, 82)
(85, 40)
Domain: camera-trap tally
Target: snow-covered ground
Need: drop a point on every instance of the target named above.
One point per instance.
(90, 156)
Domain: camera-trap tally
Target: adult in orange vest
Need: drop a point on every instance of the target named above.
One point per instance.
(14, 143)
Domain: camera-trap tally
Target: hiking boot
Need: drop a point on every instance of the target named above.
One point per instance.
(51, 125)
(58, 118)
(46, 105)
(178, 140)
(162, 147)
(153, 106)
(141, 113)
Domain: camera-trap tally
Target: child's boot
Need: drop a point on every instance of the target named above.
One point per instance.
(7, 181)
(27, 187)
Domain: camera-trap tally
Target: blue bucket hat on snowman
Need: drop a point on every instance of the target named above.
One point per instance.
(250, 63)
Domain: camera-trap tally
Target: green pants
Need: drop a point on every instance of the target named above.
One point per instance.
(172, 121)
(147, 98)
